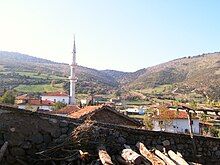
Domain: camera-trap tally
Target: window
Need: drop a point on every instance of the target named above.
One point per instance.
(160, 122)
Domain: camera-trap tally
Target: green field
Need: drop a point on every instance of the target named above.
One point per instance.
(159, 89)
(39, 88)
(34, 75)
(43, 76)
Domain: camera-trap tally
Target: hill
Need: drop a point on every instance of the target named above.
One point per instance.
(20, 69)
(197, 74)
(200, 74)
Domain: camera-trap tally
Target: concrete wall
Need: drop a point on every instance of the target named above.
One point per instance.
(177, 126)
(63, 99)
(30, 132)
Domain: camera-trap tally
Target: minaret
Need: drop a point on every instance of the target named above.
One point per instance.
(73, 78)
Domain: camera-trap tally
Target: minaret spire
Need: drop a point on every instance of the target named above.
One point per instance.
(73, 78)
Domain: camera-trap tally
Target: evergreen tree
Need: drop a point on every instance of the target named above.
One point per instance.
(8, 98)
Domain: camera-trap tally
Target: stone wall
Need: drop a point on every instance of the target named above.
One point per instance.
(28, 133)
(208, 148)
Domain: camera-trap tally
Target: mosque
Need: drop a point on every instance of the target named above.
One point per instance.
(61, 96)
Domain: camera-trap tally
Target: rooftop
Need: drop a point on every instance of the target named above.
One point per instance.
(55, 94)
(173, 114)
(66, 110)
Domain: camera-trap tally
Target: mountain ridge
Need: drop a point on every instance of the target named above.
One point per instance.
(201, 73)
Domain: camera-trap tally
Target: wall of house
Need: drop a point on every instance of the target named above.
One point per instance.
(35, 107)
(30, 132)
(64, 99)
(177, 126)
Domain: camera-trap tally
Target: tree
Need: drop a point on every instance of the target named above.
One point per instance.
(148, 122)
(8, 98)
(58, 105)
(214, 131)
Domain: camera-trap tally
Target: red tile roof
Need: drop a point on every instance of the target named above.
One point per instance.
(55, 94)
(40, 102)
(84, 111)
(66, 110)
(22, 97)
(172, 114)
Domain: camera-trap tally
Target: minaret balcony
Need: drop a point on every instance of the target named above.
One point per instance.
(73, 78)
(73, 65)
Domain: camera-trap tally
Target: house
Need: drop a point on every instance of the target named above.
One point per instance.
(135, 111)
(174, 121)
(36, 105)
(66, 111)
(97, 99)
(22, 99)
(116, 101)
(103, 114)
(56, 96)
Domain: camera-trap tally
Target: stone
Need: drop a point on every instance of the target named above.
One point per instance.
(64, 136)
(1, 142)
(217, 153)
(159, 147)
(166, 143)
(63, 124)
(17, 151)
(121, 140)
(158, 141)
(215, 149)
(37, 138)
(26, 145)
(52, 121)
(172, 142)
(47, 138)
(41, 147)
(180, 146)
(64, 130)
(31, 151)
(56, 134)
(10, 159)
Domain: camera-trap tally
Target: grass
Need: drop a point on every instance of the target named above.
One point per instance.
(35, 75)
(43, 76)
(159, 89)
(39, 88)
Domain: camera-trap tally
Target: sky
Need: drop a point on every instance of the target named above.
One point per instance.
(124, 35)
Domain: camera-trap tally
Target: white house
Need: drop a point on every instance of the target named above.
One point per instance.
(173, 121)
(36, 104)
(135, 111)
(56, 96)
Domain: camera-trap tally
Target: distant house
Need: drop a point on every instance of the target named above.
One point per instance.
(66, 111)
(97, 99)
(116, 101)
(22, 99)
(173, 121)
(36, 105)
(135, 111)
(56, 96)
(104, 114)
